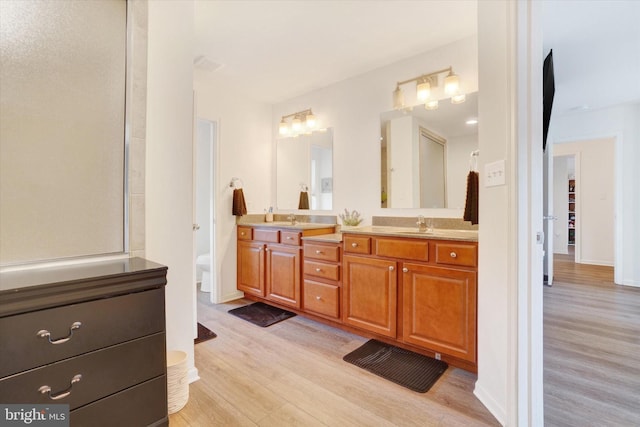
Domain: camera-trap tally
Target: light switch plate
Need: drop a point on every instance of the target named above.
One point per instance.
(494, 174)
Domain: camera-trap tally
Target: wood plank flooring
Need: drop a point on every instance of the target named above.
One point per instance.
(591, 348)
(292, 374)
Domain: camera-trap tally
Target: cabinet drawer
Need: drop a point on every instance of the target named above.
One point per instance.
(245, 233)
(290, 238)
(320, 269)
(414, 249)
(457, 254)
(124, 408)
(103, 323)
(271, 236)
(322, 252)
(357, 245)
(322, 298)
(103, 372)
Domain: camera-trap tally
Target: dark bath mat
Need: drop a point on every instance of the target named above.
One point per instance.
(204, 334)
(406, 368)
(261, 314)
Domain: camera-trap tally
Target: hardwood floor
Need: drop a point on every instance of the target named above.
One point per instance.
(591, 348)
(292, 374)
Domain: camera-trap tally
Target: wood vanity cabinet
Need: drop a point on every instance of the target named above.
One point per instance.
(422, 292)
(91, 336)
(322, 277)
(270, 262)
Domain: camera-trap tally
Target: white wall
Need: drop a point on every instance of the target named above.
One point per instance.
(594, 199)
(245, 152)
(623, 123)
(169, 204)
(458, 149)
(352, 108)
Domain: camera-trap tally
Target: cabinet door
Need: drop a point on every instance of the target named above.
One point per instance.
(369, 294)
(251, 268)
(283, 275)
(439, 309)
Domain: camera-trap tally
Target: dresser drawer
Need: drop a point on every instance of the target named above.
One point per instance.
(322, 298)
(357, 245)
(322, 252)
(103, 322)
(457, 254)
(104, 372)
(123, 408)
(323, 270)
(245, 233)
(290, 238)
(412, 249)
(271, 236)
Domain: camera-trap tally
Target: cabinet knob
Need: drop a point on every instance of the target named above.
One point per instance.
(318, 270)
(242, 233)
(267, 249)
(354, 245)
(453, 255)
(391, 268)
(405, 270)
(289, 238)
(318, 298)
(318, 252)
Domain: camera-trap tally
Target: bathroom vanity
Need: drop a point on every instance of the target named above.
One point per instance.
(413, 289)
(89, 335)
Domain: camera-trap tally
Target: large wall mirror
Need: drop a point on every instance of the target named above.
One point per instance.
(305, 162)
(425, 155)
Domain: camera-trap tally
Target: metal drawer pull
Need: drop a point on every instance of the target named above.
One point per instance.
(318, 252)
(43, 333)
(46, 389)
(318, 270)
(289, 238)
(453, 255)
(354, 245)
(405, 270)
(318, 298)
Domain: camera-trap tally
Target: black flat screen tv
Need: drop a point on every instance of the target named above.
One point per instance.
(548, 92)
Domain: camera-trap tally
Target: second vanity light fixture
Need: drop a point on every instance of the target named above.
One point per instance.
(303, 121)
(424, 83)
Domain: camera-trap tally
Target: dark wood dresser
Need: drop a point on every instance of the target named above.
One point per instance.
(89, 335)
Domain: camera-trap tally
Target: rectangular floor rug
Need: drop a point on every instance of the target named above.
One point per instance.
(261, 314)
(406, 368)
(204, 334)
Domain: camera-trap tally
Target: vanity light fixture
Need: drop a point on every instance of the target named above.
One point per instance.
(424, 84)
(297, 126)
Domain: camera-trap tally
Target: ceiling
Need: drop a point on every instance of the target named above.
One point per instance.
(277, 50)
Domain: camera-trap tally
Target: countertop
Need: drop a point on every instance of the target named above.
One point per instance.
(288, 225)
(444, 234)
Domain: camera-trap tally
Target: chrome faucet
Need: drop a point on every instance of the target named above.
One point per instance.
(292, 218)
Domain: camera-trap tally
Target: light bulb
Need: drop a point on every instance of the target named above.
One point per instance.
(459, 98)
(296, 124)
(398, 98)
(431, 105)
(423, 90)
(311, 120)
(451, 84)
(283, 128)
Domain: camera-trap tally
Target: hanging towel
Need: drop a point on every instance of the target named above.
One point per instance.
(471, 206)
(239, 206)
(304, 200)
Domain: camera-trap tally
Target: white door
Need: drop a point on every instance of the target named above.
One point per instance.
(548, 212)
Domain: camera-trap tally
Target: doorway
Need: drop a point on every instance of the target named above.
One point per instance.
(204, 226)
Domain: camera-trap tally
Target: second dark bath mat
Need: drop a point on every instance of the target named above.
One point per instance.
(261, 314)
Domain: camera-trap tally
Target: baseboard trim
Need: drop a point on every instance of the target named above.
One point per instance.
(633, 283)
(231, 297)
(489, 402)
(192, 375)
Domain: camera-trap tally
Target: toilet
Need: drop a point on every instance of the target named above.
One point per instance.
(202, 264)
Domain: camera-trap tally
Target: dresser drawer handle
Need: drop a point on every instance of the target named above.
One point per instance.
(453, 255)
(43, 333)
(354, 245)
(45, 389)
